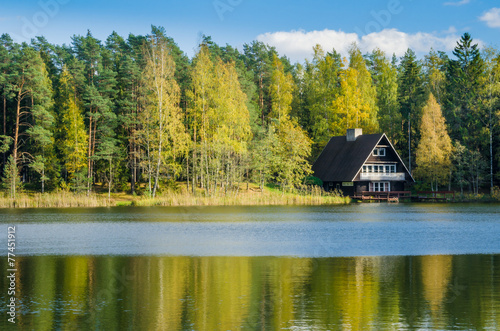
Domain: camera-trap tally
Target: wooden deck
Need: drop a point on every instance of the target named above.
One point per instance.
(396, 196)
(392, 196)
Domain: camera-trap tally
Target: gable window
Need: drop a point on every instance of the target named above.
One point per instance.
(385, 168)
(380, 151)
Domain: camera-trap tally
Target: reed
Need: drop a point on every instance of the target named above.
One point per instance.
(265, 198)
(55, 200)
(243, 197)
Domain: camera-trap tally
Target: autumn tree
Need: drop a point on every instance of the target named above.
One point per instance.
(490, 99)
(321, 88)
(71, 133)
(293, 146)
(366, 90)
(162, 130)
(349, 107)
(435, 148)
(434, 68)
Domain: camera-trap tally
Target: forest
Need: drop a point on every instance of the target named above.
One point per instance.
(138, 115)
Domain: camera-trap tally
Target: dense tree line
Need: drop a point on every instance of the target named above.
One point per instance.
(138, 115)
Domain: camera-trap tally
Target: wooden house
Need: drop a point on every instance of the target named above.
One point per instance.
(358, 163)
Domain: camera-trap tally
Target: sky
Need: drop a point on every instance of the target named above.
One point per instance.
(293, 27)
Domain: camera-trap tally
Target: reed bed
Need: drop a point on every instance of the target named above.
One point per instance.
(266, 198)
(62, 199)
(55, 200)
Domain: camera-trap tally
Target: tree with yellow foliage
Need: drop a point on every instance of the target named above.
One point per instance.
(72, 135)
(293, 146)
(434, 149)
(162, 133)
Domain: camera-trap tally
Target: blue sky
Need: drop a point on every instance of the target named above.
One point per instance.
(292, 26)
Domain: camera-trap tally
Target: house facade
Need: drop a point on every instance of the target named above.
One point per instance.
(357, 163)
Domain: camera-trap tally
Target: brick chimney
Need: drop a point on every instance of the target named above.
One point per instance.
(352, 134)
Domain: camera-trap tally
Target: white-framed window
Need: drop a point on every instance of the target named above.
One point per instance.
(379, 168)
(379, 151)
(380, 187)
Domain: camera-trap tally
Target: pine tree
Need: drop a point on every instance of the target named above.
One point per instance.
(435, 148)
(6, 53)
(98, 96)
(41, 131)
(410, 99)
(464, 85)
(29, 87)
(385, 76)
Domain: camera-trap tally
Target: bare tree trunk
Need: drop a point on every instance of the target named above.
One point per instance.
(491, 153)
(194, 162)
(110, 179)
(16, 140)
(89, 154)
(4, 122)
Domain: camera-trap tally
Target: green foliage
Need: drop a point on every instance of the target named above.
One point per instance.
(139, 112)
(311, 180)
(11, 180)
(464, 84)
(385, 78)
(321, 87)
(410, 99)
(495, 193)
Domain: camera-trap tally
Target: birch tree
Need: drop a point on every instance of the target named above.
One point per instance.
(293, 146)
(163, 133)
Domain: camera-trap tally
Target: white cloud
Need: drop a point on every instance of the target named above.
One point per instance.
(298, 45)
(459, 3)
(492, 18)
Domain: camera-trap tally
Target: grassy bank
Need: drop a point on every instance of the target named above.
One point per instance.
(244, 197)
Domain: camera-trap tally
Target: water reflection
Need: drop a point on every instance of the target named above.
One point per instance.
(254, 293)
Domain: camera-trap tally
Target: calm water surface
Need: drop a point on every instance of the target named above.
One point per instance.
(363, 266)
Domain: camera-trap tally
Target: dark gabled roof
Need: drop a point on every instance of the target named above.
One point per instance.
(341, 160)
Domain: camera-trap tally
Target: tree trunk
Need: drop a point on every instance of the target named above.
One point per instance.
(491, 154)
(4, 122)
(110, 180)
(89, 169)
(194, 174)
(16, 140)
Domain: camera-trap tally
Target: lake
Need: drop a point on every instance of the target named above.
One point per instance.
(359, 266)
